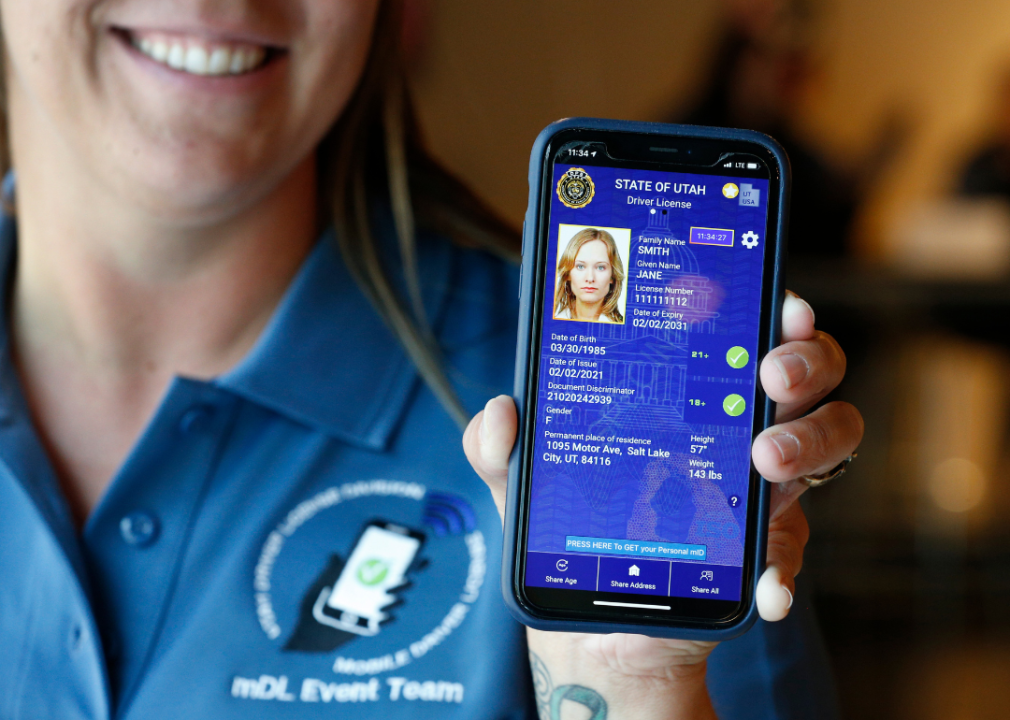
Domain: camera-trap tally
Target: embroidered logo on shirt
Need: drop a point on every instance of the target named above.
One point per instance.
(413, 550)
(353, 597)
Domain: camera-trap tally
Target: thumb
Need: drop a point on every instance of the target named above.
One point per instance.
(488, 442)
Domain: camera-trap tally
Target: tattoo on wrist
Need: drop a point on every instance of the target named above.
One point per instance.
(550, 698)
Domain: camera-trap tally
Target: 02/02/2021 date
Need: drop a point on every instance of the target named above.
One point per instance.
(575, 373)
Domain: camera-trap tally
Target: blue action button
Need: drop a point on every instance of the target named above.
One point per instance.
(634, 575)
(719, 582)
(573, 572)
(139, 528)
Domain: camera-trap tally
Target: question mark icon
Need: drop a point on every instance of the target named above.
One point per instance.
(733, 501)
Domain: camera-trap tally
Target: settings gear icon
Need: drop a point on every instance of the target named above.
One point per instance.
(749, 239)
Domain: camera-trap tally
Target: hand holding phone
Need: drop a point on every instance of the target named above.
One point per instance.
(644, 660)
(824, 364)
(630, 674)
(652, 259)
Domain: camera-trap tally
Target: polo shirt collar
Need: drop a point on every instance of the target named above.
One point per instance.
(23, 461)
(327, 359)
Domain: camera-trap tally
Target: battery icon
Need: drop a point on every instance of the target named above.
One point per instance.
(752, 166)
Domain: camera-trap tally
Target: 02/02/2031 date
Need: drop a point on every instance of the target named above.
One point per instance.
(657, 324)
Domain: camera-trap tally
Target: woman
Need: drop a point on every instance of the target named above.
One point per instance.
(210, 399)
(590, 278)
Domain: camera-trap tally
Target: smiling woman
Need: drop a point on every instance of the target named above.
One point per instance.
(218, 470)
(197, 56)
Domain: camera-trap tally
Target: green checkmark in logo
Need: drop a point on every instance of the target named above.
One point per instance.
(734, 405)
(372, 572)
(737, 357)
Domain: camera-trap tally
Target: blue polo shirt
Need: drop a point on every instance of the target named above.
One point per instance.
(238, 563)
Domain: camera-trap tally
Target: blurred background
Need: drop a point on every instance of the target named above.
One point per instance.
(897, 118)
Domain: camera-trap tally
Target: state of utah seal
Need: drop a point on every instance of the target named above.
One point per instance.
(575, 188)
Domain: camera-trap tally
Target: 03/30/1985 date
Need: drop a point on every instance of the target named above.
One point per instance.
(578, 349)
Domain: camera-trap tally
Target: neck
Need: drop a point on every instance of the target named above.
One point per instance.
(110, 303)
(122, 277)
(589, 312)
(120, 292)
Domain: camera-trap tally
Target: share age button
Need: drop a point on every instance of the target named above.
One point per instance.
(572, 572)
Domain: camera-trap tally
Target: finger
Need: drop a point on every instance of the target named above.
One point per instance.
(810, 445)
(797, 318)
(787, 536)
(800, 373)
(488, 442)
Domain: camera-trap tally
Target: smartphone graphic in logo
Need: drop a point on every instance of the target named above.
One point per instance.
(377, 566)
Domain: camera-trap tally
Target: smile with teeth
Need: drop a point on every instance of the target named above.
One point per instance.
(199, 57)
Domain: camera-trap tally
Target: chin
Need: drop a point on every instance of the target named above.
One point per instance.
(196, 186)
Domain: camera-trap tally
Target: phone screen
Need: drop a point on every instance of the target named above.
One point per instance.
(650, 330)
(378, 563)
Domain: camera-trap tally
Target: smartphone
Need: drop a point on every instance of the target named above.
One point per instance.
(651, 288)
(376, 568)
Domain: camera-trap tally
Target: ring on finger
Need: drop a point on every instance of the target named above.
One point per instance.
(824, 478)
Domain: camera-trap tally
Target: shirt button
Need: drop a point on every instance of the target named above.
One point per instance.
(196, 418)
(76, 637)
(138, 528)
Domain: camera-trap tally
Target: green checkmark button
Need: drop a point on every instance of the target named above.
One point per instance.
(737, 357)
(372, 572)
(734, 405)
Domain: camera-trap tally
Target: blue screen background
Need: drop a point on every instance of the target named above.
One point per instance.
(666, 386)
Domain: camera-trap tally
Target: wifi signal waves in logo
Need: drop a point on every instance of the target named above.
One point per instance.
(448, 514)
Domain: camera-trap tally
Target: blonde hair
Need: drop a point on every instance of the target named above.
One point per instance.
(564, 298)
(374, 150)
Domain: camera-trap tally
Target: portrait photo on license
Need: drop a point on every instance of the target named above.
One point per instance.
(592, 270)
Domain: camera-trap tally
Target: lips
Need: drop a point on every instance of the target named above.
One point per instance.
(199, 56)
(589, 289)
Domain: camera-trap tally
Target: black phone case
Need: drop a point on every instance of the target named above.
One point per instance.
(510, 579)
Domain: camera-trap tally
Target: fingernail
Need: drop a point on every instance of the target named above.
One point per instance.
(793, 367)
(485, 431)
(788, 445)
(790, 594)
(794, 296)
(813, 315)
